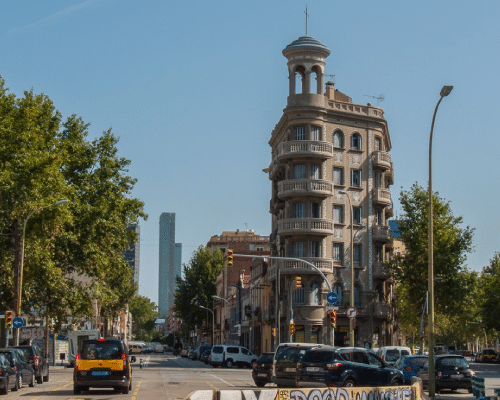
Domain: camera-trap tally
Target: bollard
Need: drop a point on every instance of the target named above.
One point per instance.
(141, 362)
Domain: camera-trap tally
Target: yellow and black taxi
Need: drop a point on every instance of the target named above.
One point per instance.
(103, 363)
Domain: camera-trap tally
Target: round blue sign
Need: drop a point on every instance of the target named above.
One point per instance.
(17, 322)
(332, 298)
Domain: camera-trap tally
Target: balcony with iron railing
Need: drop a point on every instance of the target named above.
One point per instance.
(292, 267)
(381, 310)
(305, 148)
(382, 196)
(381, 233)
(305, 226)
(381, 271)
(381, 160)
(311, 187)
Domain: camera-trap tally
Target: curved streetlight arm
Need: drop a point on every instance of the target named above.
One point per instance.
(213, 322)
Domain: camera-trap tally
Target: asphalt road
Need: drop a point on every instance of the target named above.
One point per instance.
(167, 377)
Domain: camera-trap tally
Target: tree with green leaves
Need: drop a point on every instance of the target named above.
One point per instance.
(454, 291)
(489, 313)
(197, 288)
(73, 254)
(144, 313)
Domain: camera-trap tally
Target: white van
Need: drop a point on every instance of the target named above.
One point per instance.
(74, 340)
(391, 354)
(136, 347)
(228, 356)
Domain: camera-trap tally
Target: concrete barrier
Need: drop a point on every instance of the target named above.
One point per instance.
(413, 392)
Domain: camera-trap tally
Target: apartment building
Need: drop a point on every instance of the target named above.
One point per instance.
(331, 173)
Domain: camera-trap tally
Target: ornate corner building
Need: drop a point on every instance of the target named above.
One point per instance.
(331, 171)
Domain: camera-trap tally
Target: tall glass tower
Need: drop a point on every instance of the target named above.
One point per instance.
(169, 263)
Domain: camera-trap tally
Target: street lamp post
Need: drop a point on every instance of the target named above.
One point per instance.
(223, 317)
(351, 320)
(19, 263)
(445, 91)
(213, 323)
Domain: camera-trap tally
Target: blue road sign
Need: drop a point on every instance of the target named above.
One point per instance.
(332, 298)
(17, 322)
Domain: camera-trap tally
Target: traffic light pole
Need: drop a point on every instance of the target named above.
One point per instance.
(277, 283)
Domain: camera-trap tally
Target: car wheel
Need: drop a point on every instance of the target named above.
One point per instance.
(125, 390)
(33, 380)
(39, 379)
(229, 364)
(46, 377)
(349, 383)
(19, 381)
(77, 389)
(396, 382)
(260, 384)
(5, 389)
(15, 388)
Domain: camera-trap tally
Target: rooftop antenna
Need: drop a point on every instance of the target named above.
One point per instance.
(306, 18)
(331, 76)
(379, 98)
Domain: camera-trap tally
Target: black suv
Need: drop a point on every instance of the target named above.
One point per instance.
(345, 366)
(286, 364)
(262, 369)
(37, 360)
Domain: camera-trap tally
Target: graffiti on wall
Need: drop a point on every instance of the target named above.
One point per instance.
(341, 393)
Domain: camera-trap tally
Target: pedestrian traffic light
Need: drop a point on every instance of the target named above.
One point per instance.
(292, 327)
(298, 282)
(229, 257)
(8, 319)
(333, 319)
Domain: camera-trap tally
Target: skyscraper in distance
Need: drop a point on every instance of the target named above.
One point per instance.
(169, 263)
(132, 253)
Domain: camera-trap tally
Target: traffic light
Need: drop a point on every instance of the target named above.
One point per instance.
(333, 319)
(298, 282)
(292, 328)
(229, 257)
(8, 319)
(274, 332)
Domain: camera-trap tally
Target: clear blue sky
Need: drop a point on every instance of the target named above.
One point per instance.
(194, 88)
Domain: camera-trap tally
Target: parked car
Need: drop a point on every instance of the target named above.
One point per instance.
(205, 357)
(227, 356)
(24, 370)
(488, 355)
(285, 364)
(345, 366)
(184, 352)
(410, 366)
(391, 354)
(452, 372)
(192, 353)
(8, 376)
(103, 363)
(37, 359)
(262, 369)
(201, 350)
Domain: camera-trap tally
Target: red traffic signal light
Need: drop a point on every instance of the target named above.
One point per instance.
(333, 318)
(229, 257)
(8, 319)
(298, 282)
(292, 328)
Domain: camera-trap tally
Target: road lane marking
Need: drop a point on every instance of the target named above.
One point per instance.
(215, 376)
(136, 390)
(53, 390)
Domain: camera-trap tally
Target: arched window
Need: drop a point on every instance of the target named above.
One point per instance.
(315, 296)
(356, 141)
(299, 296)
(338, 140)
(357, 296)
(338, 289)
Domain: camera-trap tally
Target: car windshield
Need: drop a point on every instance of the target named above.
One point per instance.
(417, 361)
(391, 355)
(265, 358)
(101, 351)
(318, 356)
(453, 362)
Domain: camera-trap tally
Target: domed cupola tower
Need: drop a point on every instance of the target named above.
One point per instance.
(306, 58)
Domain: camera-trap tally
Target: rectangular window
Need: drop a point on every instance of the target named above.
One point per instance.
(299, 249)
(299, 210)
(338, 214)
(315, 171)
(357, 215)
(337, 252)
(356, 250)
(378, 254)
(378, 179)
(356, 177)
(315, 133)
(315, 210)
(379, 220)
(300, 133)
(338, 176)
(299, 171)
(315, 249)
(378, 144)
